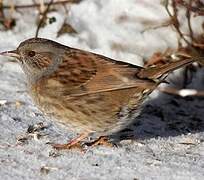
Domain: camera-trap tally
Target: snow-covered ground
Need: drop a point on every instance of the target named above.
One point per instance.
(167, 140)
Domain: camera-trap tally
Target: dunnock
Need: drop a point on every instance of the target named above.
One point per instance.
(85, 91)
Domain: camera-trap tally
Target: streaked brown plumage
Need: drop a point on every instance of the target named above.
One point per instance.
(85, 91)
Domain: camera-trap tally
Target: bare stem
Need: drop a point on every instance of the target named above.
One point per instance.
(43, 18)
(38, 5)
(188, 15)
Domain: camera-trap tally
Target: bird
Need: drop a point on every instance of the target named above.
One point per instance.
(87, 92)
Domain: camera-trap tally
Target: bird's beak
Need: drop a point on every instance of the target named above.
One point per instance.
(13, 53)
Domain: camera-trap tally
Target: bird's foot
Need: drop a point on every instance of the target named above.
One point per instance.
(68, 146)
(73, 144)
(103, 140)
(76, 143)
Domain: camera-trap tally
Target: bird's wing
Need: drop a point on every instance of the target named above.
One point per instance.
(88, 73)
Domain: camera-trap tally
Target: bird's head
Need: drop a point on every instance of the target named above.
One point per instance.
(36, 55)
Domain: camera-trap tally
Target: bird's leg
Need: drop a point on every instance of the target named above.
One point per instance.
(74, 143)
(102, 140)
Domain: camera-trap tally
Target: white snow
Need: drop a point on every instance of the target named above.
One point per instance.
(187, 92)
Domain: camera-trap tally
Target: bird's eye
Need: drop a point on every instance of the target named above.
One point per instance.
(31, 53)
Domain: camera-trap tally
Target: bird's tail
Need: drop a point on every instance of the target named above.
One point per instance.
(157, 72)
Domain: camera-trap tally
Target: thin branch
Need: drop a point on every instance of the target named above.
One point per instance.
(1, 9)
(188, 15)
(43, 18)
(174, 19)
(38, 5)
(196, 9)
(177, 24)
(200, 45)
(181, 92)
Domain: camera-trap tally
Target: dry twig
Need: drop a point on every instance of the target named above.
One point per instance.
(181, 92)
(43, 18)
(174, 19)
(188, 15)
(38, 5)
